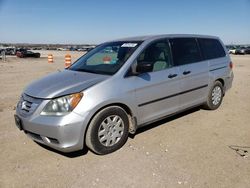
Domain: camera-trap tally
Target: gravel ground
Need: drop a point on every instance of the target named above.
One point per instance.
(197, 148)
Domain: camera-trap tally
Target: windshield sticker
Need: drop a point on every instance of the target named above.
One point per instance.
(106, 60)
(129, 45)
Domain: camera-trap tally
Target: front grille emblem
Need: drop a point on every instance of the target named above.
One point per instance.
(24, 105)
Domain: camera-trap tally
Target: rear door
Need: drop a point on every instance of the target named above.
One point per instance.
(156, 90)
(194, 72)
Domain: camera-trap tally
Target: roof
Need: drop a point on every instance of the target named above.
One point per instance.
(152, 37)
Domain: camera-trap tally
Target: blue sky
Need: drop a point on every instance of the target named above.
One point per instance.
(95, 21)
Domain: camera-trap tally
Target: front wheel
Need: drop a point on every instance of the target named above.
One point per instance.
(215, 96)
(108, 130)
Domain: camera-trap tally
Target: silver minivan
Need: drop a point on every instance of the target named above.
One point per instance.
(122, 85)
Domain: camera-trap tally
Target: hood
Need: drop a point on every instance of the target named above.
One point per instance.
(62, 83)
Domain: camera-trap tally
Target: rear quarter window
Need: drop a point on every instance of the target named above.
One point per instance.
(185, 51)
(211, 48)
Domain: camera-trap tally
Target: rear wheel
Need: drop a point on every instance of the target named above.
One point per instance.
(215, 96)
(108, 130)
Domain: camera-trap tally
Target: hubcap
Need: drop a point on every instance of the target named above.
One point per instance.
(216, 95)
(111, 130)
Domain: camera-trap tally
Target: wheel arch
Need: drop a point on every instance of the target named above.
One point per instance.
(221, 81)
(223, 84)
(132, 119)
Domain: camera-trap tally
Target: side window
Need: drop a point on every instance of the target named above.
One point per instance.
(157, 54)
(185, 51)
(211, 48)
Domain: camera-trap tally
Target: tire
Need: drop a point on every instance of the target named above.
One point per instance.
(215, 96)
(108, 130)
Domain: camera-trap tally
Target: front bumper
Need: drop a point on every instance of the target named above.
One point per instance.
(63, 133)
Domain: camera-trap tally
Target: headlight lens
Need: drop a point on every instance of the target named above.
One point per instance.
(63, 105)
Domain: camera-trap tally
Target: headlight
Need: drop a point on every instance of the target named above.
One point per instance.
(63, 105)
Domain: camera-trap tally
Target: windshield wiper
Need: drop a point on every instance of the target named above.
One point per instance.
(93, 71)
(86, 70)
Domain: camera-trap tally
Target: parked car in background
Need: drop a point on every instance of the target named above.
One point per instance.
(231, 49)
(72, 49)
(81, 49)
(247, 50)
(1, 53)
(26, 53)
(10, 51)
(240, 50)
(37, 48)
(104, 96)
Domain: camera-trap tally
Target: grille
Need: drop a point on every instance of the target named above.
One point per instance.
(27, 104)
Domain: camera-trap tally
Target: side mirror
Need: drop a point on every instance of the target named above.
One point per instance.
(143, 67)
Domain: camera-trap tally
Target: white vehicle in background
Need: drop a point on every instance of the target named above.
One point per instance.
(61, 49)
(232, 50)
(8, 50)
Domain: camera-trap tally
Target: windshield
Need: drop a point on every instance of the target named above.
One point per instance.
(107, 58)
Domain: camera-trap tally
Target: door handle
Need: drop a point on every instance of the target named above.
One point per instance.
(172, 75)
(186, 72)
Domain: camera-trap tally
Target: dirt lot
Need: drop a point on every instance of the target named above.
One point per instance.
(194, 149)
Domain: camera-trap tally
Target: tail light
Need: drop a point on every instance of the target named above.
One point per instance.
(231, 65)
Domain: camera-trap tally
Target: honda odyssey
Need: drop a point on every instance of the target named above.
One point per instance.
(122, 85)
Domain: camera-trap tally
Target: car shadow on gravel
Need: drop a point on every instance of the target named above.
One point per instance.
(69, 155)
(165, 120)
